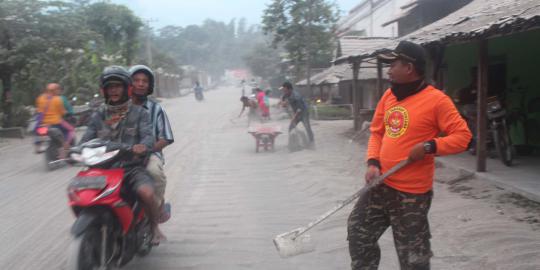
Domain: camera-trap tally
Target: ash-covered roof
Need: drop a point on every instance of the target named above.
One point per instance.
(481, 18)
(476, 20)
(353, 45)
(337, 73)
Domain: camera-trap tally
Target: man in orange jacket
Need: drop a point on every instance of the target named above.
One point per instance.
(406, 123)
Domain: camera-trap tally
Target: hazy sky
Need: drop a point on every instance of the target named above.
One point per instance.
(185, 12)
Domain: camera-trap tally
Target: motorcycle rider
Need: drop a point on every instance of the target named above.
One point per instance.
(120, 121)
(143, 86)
(198, 90)
(52, 109)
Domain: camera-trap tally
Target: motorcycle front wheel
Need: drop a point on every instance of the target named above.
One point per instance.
(84, 251)
(503, 146)
(145, 238)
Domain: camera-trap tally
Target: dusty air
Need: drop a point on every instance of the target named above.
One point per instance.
(271, 134)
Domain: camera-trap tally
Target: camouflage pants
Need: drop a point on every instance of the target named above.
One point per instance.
(407, 214)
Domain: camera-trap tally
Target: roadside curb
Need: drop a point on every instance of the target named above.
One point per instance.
(12, 132)
(491, 179)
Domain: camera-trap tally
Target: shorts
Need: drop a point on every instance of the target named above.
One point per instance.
(135, 178)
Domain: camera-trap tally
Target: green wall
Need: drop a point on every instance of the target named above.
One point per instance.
(520, 52)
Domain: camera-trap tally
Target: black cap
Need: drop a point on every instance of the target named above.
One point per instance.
(407, 51)
(287, 85)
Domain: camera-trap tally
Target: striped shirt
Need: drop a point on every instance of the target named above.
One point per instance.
(161, 128)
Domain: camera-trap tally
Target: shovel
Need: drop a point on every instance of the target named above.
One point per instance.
(296, 242)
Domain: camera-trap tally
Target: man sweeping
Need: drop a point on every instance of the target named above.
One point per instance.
(408, 119)
(300, 109)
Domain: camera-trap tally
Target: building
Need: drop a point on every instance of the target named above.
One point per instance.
(500, 40)
(386, 18)
(334, 84)
(368, 19)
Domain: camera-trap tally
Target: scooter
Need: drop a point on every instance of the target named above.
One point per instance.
(49, 141)
(111, 227)
(199, 95)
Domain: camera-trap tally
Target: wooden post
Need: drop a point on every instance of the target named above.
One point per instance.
(380, 90)
(356, 94)
(481, 129)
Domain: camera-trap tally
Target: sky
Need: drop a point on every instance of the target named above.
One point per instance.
(186, 12)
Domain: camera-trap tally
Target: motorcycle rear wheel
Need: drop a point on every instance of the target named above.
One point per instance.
(83, 252)
(51, 154)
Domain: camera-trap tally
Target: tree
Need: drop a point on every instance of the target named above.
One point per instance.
(27, 30)
(212, 46)
(118, 26)
(305, 30)
(59, 41)
(264, 61)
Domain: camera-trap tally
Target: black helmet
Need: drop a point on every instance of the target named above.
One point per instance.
(146, 70)
(116, 74)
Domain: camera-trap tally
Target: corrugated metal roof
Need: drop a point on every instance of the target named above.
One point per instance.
(353, 45)
(478, 19)
(481, 18)
(349, 45)
(337, 73)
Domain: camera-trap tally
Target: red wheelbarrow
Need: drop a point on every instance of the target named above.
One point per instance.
(265, 136)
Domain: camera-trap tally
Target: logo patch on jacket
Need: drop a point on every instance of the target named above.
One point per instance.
(396, 121)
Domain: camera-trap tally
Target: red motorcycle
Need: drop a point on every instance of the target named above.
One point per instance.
(111, 226)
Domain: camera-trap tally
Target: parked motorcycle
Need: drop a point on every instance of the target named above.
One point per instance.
(111, 227)
(498, 137)
(498, 129)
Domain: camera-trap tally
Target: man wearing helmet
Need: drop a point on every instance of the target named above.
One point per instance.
(143, 86)
(120, 121)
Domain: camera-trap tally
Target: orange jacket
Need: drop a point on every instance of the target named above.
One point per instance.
(54, 106)
(399, 125)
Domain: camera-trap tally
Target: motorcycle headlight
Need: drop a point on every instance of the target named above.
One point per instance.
(494, 106)
(94, 156)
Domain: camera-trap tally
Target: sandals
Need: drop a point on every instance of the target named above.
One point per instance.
(165, 213)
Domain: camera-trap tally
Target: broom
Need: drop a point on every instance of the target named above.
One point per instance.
(296, 242)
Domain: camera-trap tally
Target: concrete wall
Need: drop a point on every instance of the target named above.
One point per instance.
(369, 92)
(370, 20)
(428, 13)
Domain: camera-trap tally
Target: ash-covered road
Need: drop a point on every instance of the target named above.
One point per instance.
(229, 202)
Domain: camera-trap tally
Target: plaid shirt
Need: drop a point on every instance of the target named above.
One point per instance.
(161, 128)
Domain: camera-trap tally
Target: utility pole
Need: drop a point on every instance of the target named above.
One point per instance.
(308, 47)
(148, 41)
(371, 5)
